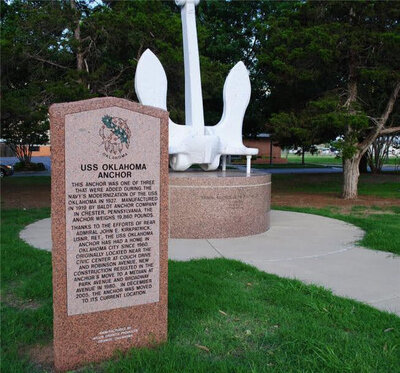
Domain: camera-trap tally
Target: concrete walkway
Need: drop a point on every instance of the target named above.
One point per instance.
(307, 247)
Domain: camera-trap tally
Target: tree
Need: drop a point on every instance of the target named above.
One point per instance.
(303, 128)
(22, 136)
(28, 87)
(346, 51)
(378, 152)
(67, 50)
(234, 31)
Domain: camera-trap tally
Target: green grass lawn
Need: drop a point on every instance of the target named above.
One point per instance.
(286, 165)
(315, 159)
(310, 161)
(26, 180)
(384, 185)
(329, 160)
(247, 321)
(393, 161)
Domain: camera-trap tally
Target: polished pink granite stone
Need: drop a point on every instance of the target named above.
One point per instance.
(219, 204)
(84, 334)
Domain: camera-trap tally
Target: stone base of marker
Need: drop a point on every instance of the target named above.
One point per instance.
(109, 228)
(219, 204)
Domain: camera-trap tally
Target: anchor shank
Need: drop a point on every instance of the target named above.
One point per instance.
(194, 114)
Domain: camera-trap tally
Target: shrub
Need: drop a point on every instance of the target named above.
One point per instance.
(23, 166)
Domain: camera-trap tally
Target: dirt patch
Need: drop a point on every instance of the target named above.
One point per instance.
(21, 304)
(42, 356)
(298, 199)
(372, 211)
(23, 196)
(11, 300)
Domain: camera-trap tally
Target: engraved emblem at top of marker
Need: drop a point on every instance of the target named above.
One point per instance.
(115, 134)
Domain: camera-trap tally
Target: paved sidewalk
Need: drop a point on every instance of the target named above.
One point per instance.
(307, 247)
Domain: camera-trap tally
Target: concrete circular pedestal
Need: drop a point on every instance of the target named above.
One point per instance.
(218, 204)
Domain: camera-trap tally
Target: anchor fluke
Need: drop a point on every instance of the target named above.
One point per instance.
(237, 92)
(151, 91)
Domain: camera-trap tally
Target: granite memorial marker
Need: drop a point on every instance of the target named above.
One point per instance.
(109, 228)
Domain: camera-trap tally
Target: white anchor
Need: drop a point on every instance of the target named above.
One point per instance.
(195, 143)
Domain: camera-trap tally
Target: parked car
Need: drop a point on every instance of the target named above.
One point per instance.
(6, 170)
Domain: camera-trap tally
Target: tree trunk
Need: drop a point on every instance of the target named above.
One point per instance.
(351, 165)
(378, 153)
(364, 164)
(302, 156)
(351, 174)
(22, 152)
(77, 35)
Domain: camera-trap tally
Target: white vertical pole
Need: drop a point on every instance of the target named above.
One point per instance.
(194, 115)
(223, 162)
(248, 164)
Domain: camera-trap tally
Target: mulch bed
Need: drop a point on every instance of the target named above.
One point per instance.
(21, 196)
(34, 196)
(300, 199)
